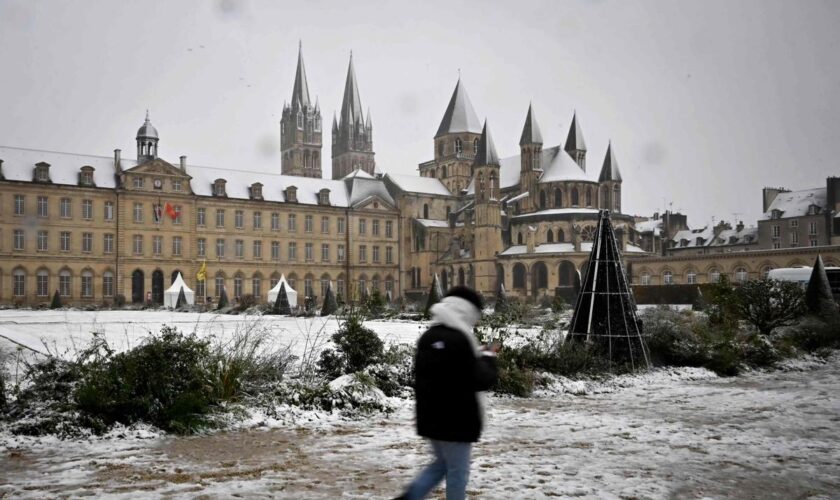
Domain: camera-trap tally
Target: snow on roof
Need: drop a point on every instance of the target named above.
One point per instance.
(433, 223)
(585, 246)
(796, 203)
(418, 184)
(358, 173)
(363, 188)
(558, 211)
(647, 226)
(633, 249)
(19, 165)
(459, 115)
(518, 197)
(691, 237)
(735, 237)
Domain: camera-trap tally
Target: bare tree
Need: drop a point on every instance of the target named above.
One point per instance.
(767, 303)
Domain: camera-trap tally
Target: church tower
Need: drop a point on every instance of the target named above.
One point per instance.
(575, 145)
(610, 183)
(530, 170)
(147, 141)
(487, 240)
(352, 136)
(300, 129)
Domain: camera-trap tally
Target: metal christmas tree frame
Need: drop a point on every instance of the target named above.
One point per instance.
(605, 312)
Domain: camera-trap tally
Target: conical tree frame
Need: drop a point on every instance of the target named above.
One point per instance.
(605, 311)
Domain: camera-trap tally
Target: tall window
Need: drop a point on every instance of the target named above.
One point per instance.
(239, 248)
(645, 279)
(389, 229)
(138, 212)
(43, 206)
(201, 289)
(87, 242)
(812, 228)
(292, 223)
(740, 275)
(714, 275)
(42, 241)
(220, 284)
(362, 253)
(138, 244)
(374, 229)
(42, 283)
(389, 255)
(178, 214)
(257, 220)
(325, 283)
(19, 283)
(64, 208)
(275, 221)
(201, 216)
(340, 225)
(794, 238)
(18, 239)
(307, 287)
(256, 286)
(201, 247)
(109, 210)
(176, 246)
(220, 217)
(20, 205)
(309, 252)
(87, 209)
(239, 219)
(340, 255)
(107, 284)
(64, 241)
(325, 225)
(275, 250)
(157, 245)
(668, 278)
(362, 226)
(220, 247)
(237, 286)
(257, 249)
(308, 224)
(691, 277)
(292, 253)
(776, 231)
(65, 283)
(325, 252)
(459, 147)
(375, 253)
(87, 284)
(108, 243)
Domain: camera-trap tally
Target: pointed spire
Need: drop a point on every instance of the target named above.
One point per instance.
(531, 131)
(335, 123)
(147, 116)
(486, 154)
(351, 106)
(317, 104)
(368, 121)
(818, 298)
(300, 93)
(575, 141)
(609, 172)
(459, 115)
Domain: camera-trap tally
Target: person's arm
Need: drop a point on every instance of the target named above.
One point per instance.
(486, 372)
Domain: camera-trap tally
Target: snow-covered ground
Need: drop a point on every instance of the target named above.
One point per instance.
(676, 433)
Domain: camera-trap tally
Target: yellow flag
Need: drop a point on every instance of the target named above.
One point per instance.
(202, 272)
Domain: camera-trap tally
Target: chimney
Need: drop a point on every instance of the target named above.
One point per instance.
(183, 163)
(117, 165)
(740, 226)
(655, 215)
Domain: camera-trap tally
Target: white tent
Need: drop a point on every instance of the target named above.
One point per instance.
(290, 293)
(170, 296)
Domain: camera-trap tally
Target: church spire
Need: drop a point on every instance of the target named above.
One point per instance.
(300, 93)
(531, 131)
(486, 154)
(575, 145)
(609, 171)
(352, 135)
(351, 106)
(459, 115)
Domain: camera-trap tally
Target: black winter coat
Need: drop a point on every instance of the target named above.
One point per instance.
(447, 375)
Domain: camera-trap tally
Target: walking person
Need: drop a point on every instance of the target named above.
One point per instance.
(450, 371)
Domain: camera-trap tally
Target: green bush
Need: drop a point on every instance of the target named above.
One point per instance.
(812, 333)
(394, 375)
(356, 346)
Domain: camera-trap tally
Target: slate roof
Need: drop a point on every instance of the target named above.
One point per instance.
(796, 203)
(486, 154)
(575, 138)
(19, 165)
(459, 115)
(300, 92)
(147, 129)
(417, 184)
(351, 105)
(531, 131)
(609, 171)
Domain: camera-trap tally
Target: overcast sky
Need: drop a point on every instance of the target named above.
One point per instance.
(705, 102)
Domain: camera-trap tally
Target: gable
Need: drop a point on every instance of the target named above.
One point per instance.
(374, 202)
(158, 167)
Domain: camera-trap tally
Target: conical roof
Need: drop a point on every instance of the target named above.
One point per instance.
(147, 130)
(531, 131)
(609, 172)
(486, 154)
(574, 141)
(605, 313)
(300, 93)
(459, 115)
(818, 297)
(351, 105)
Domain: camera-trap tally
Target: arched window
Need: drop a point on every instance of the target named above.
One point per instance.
(219, 283)
(691, 277)
(441, 148)
(480, 191)
(542, 199)
(588, 197)
(540, 278)
(493, 185)
(256, 286)
(575, 197)
(87, 284)
(19, 282)
(475, 146)
(561, 236)
(462, 280)
(519, 276)
(714, 275)
(443, 171)
(741, 275)
(42, 283)
(425, 210)
(549, 236)
(458, 147)
(765, 271)
(645, 279)
(519, 238)
(65, 283)
(616, 200)
(237, 286)
(667, 278)
(604, 201)
(107, 284)
(558, 198)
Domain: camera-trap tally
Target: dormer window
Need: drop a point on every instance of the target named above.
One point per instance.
(324, 197)
(733, 240)
(683, 243)
(256, 191)
(699, 242)
(86, 176)
(219, 187)
(813, 209)
(42, 172)
(291, 194)
(776, 214)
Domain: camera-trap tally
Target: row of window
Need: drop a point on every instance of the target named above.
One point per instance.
(65, 283)
(308, 286)
(812, 230)
(139, 182)
(292, 222)
(42, 241)
(741, 275)
(291, 252)
(65, 207)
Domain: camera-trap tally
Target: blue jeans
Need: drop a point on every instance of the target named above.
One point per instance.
(452, 460)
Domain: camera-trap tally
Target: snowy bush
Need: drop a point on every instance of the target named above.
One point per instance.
(356, 346)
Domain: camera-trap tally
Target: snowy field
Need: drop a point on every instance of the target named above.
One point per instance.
(677, 433)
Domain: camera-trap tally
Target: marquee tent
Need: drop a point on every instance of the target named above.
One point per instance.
(170, 296)
(290, 293)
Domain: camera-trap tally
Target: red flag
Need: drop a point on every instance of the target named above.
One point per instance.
(171, 211)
